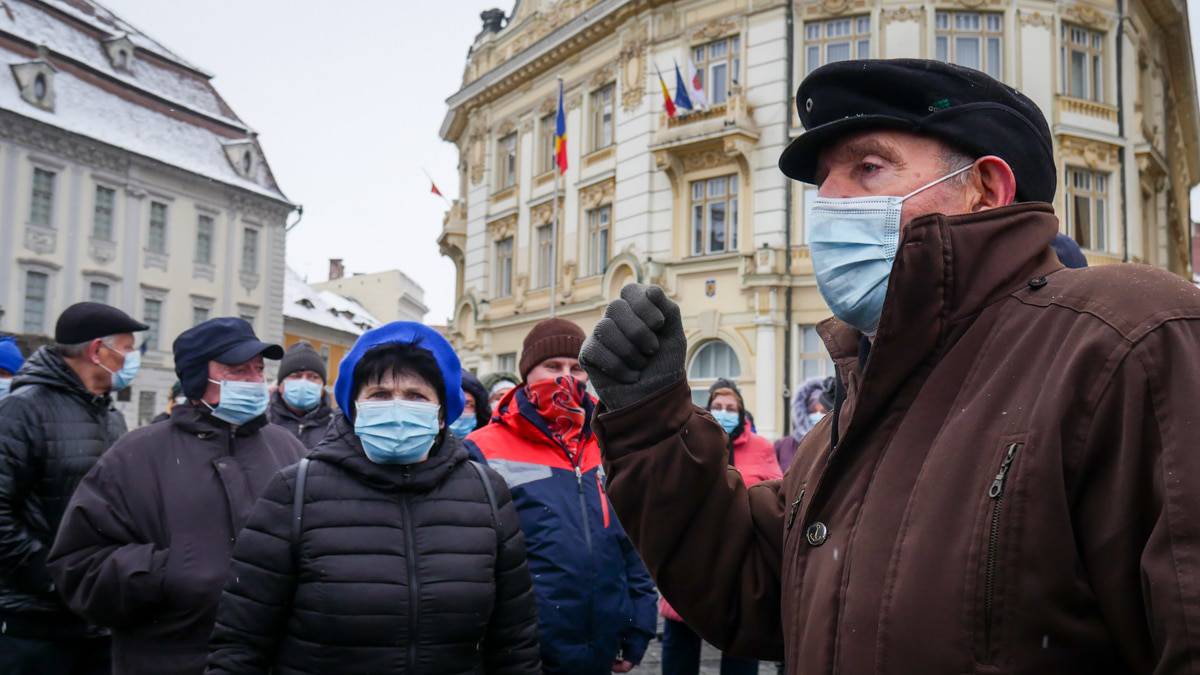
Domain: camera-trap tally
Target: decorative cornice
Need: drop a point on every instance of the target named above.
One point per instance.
(715, 29)
(602, 76)
(1092, 153)
(1088, 16)
(543, 213)
(61, 144)
(502, 228)
(901, 15)
(598, 194)
(1035, 19)
(631, 65)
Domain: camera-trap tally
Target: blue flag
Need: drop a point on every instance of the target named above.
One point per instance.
(682, 100)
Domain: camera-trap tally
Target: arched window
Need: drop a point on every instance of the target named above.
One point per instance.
(712, 360)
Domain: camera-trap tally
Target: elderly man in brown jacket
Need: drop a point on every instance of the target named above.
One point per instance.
(1010, 482)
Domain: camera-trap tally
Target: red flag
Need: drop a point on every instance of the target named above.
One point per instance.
(435, 190)
(668, 104)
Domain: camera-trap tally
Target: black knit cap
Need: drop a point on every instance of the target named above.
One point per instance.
(86, 321)
(964, 107)
(227, 340)
(301, 356)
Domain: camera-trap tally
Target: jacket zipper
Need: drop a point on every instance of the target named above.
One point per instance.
(996, 494)
(603, 501)
(587, 530)
(414, 586)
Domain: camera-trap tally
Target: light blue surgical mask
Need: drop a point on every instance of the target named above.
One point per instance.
(302, 394)
(124, 377)
(240, 401)
(727, 419)
(5, 386)
(464, 425)
(853, 245)
(396, 432)
(815, 417)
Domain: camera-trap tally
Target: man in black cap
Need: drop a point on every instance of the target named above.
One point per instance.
(1009, 479)
(145, 543)
(56, 423)
(300, 403)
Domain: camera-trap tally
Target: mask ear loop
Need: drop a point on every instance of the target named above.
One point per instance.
(947, 177)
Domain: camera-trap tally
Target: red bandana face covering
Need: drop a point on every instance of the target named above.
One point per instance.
(560, 403)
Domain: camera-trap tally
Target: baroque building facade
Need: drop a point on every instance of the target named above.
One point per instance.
(125, 178)
(696, 203)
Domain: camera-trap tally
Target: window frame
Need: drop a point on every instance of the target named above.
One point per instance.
(249, 263)
(503, 249)
(154, 325)
(200, 232)
(41, 197)
(1095, 66)
(857, 40)
(952, 33)
(546, 128)
(1096, 192)
(598, 104)
(506, 362)
(197, 319)
(707, 65)
(543, 241)
(45, 276)
(599, 226)
(163, 227)
(806, 354)
(98, 213)
(700, 382)
(93, 285)
(507, 161)
(730, 198)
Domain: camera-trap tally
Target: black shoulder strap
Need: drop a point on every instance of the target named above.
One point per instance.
(298, 507)
(491, 494)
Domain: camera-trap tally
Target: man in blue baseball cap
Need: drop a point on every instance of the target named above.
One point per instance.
(146, 540)
(10, 363)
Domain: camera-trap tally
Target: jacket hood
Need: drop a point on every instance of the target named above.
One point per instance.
(816, 386)
(47, 368)
(318, 415)
(475, 390)
(404, 332)
(342, 448)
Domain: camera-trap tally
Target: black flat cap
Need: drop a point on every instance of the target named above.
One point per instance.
(966, 108)
(226, 339)
(86, 321)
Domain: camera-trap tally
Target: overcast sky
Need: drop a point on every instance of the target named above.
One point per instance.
(347, 98)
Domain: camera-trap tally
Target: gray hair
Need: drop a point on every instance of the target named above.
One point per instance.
(77, 349)
(953, 159)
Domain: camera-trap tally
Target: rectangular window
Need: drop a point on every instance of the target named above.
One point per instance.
(98, 292)
(546, 129)
(545, 256)
(603, 116)
(145, 409)
(199, 315)
(506, 363)
(250, 251)
(37, 289)
(814, 358)
(248, 317)
(598, 222)
(504, 267)
(971, 39)
(152, 317)
(719, 66)
(836, 40)
(41, 205)
(714, 215)
(506, 160)
(102, 213)
(1082, 63)
(325, 355)
(204, 239)
(156, 241)
(1087, 208)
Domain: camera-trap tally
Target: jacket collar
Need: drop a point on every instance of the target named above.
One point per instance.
(197, 419)
(948, 269)
(48, 368)
(341, 447)
(318, 415)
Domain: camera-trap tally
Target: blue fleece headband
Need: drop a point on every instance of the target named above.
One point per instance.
(10, 356)
(404, 332)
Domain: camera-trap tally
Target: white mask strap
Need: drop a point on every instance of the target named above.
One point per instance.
(943, 178)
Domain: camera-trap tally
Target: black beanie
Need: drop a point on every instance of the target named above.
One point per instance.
(301, 356)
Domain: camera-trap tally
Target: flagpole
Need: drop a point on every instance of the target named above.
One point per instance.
(434, 184)
(554, 234)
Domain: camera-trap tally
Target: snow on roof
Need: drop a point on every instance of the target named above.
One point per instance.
(101, 17)
(323, 308)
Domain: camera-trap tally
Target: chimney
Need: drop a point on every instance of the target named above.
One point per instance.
(493, 20)
(336, 269)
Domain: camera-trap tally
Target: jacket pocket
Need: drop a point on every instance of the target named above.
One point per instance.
(999, 529)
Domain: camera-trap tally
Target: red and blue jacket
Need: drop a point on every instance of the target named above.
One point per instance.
(595, 599)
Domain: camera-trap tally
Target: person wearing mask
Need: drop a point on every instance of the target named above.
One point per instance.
(596, 603)
(403, 556)
(145, 541)
(754, 458)
(300, 403)
(476, 411)
(812, 402)
(10, 362)
(1009, 482)
(498, 385)
(54, 425)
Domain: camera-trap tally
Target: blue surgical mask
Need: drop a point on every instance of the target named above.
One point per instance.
(5, 387)
(124, 377)
(815, 417)
(727, 419)
(302, 394)
(853, 244)
(396, 432)
(464, 425)
(240, 401)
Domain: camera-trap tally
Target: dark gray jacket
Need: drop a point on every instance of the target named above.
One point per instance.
(145, 543)
(52, 430)
(310, 427)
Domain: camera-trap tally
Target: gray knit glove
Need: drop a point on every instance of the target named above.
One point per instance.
(637, 348)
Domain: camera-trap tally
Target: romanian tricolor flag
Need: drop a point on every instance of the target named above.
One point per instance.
(668, 104)
(560, 133)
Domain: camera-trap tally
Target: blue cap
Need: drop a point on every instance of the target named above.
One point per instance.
(227, 340)
(1069, 253)
(10, 355)
(404, 332)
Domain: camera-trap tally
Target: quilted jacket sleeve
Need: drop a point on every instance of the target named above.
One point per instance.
(713, 546)
(22, 555)
(256, 602)
(106, 570)
(511, 642)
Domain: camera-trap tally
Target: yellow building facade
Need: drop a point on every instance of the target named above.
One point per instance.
(697, 205)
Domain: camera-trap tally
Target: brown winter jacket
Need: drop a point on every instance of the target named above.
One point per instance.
(1014, 485)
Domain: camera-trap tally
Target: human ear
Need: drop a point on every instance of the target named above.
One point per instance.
(994, 183)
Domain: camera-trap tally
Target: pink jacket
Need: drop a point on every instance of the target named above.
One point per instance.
(754, 457)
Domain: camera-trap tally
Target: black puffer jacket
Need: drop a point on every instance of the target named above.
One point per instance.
(400, 570)
(310, 427)
(52, 430)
